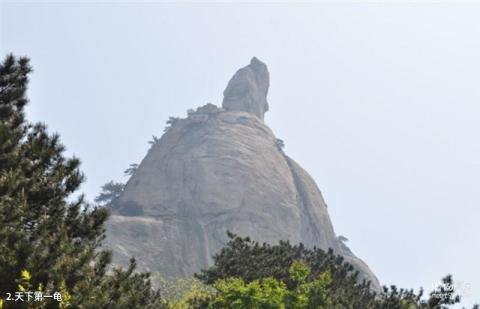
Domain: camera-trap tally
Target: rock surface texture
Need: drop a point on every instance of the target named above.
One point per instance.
(220, 169)
(247, 90)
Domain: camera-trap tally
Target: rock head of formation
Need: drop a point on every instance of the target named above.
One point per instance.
(247, 90)
(219, 170)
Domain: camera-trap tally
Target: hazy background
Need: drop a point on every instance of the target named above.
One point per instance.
(380, 103)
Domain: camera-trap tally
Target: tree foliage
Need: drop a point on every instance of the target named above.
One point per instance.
(170, 123)
(245, 268)
(249, 260)
(280, 144)
(154, 140)
(43, 229)
(109, 195)
(272, 293)
(132, 168)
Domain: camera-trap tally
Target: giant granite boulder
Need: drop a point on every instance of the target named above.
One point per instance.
(220, 169)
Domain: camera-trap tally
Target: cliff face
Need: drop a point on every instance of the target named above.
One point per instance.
(219, 169)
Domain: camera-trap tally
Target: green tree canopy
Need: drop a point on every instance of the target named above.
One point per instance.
(111, 191)
(43, 229)
(304, 278)
(249, 260)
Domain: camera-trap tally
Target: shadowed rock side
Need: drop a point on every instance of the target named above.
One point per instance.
(219, 169)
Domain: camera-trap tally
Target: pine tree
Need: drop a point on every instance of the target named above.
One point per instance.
(250, 261)
(109, 195)
(247, 259)
(43, 230)
(131, 169)
(153, 141)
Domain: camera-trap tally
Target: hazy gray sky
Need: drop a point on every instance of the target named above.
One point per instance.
(380, 103)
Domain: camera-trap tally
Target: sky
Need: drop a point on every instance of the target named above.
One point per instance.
(380, 103)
